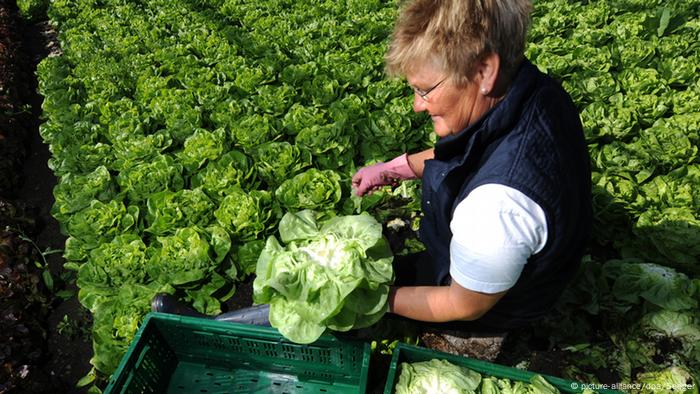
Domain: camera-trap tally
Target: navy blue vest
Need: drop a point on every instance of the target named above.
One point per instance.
(531, 141)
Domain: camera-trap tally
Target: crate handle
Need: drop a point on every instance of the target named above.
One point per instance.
(142, 356)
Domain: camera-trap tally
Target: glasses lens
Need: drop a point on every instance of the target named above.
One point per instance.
(424, 93)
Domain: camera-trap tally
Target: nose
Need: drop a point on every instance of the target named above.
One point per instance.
(419, 105)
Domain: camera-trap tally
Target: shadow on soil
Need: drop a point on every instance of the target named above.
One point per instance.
(68, 340)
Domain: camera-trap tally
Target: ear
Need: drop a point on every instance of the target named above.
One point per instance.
(487, 73)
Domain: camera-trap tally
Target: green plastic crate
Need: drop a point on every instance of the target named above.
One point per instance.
(409, 353)
(179, 354)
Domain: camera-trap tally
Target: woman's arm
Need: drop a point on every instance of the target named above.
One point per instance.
(440, 303)
(417, 161)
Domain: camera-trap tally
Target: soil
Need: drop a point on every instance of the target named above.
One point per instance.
(68, 345)
(243, 297)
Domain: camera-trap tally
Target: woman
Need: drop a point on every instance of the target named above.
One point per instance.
(506, 189)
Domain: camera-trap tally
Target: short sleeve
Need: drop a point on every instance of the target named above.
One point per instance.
(495, 230)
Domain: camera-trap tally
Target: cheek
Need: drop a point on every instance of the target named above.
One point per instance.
(461, 116)
(454, 111)
(459, 122)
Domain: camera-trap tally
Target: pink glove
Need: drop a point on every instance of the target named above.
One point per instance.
(369, 178)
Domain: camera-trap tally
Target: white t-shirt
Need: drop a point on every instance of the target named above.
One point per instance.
(495, 229)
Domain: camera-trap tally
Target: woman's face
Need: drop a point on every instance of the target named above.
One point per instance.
(450, 107)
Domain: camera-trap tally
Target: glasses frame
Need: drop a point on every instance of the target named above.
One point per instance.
(424, 93)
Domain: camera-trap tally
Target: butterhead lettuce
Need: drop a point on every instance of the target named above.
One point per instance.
(332, 273)
(436, 376)
(313, 189)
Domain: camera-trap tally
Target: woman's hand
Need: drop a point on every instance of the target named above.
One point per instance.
(369, 178)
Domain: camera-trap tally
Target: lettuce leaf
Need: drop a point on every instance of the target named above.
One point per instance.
(659, 285)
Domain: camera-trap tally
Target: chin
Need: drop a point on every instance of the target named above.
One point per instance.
(441, 130)
(438, 128)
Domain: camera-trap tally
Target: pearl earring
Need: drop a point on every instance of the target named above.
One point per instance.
(484, 90)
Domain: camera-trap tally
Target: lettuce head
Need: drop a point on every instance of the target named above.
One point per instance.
(436, 376)
(674, 379)
(332, 273)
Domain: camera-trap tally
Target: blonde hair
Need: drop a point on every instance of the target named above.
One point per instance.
(455, 34)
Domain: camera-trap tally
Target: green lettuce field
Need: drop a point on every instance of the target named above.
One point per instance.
(183, 130)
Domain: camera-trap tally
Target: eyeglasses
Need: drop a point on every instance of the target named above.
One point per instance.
(424, 93)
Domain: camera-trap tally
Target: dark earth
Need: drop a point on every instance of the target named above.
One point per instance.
(64, 358)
